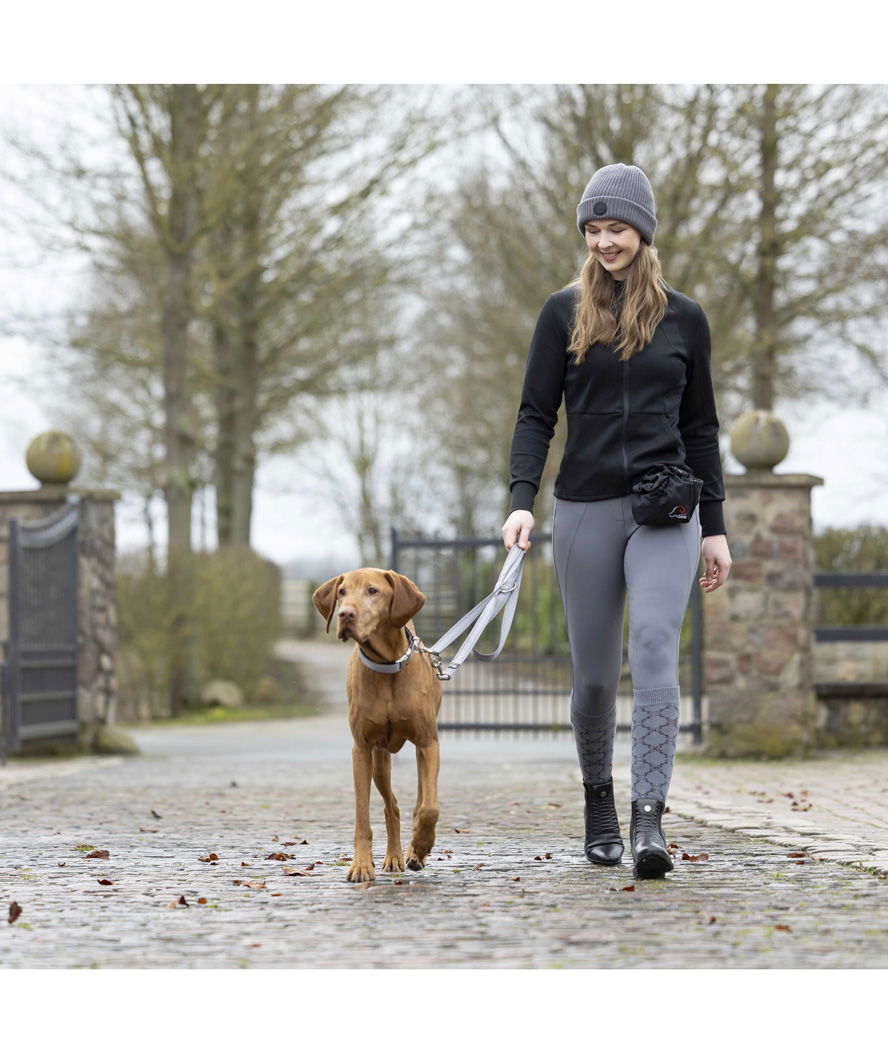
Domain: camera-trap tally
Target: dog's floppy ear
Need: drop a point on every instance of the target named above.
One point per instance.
(324, 598)
(406, 598)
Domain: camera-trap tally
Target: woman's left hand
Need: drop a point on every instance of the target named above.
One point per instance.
(717, 559)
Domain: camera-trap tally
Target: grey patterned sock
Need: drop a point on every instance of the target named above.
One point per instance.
(654, 734)
(594, 736)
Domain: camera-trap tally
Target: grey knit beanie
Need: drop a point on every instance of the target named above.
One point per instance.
(620, 192)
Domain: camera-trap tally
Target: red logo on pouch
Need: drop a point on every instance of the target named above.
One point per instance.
(679, 512)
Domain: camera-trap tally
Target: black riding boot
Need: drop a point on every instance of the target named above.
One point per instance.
(648, 843)
(603, 842)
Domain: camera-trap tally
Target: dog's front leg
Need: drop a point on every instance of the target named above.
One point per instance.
(362, 868)
(425, 815)
(382, 776)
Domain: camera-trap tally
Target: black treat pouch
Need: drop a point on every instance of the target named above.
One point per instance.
(665, 495)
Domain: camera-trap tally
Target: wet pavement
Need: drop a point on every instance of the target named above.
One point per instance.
(762, 879)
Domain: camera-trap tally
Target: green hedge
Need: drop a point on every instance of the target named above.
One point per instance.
(234, 616)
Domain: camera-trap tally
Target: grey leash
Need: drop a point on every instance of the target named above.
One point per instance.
(503, 598)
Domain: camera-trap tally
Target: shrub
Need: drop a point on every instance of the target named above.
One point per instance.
(234, 618)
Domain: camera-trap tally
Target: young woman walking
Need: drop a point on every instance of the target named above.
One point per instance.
(631, 358)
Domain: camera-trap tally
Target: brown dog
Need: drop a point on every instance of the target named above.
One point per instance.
(386, 709)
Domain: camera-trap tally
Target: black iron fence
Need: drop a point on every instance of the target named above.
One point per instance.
(851, 689)
(39, 681)
(527, 689)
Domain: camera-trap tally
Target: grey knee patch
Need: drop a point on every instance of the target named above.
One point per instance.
(655, 719)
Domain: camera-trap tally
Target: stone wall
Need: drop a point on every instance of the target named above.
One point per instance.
(759, 629)
(97, 684)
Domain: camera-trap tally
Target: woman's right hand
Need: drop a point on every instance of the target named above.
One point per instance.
(517, 528)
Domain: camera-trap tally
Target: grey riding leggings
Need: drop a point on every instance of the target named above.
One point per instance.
(600, 555)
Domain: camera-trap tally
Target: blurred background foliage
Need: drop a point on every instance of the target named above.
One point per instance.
(234, 616)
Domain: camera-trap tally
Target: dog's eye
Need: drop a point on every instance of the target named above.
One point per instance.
(341, 592)
(372, 590)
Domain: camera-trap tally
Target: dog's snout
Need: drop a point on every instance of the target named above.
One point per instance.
(346, 614)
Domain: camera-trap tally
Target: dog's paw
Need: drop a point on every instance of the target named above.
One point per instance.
(393, 864)
(414, 861)
(361, 871)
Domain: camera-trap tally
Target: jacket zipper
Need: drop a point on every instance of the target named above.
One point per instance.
(625, 419)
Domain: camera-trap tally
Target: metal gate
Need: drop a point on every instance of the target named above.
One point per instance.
(527, 689)
(40, 671)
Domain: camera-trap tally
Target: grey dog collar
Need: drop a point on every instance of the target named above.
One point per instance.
(391, 667)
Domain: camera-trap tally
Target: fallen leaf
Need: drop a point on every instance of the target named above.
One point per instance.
(344, 858)
(789, 795)
(277, 893)
(61, 864)
(279, 855)
(211, 858)
(712, 921)
(628, 888)
(540, 858)
(800, 862)
(249, 884)
(552, 804)
(296, 872)
(783, 928)
(695, 859)
(84, 848)
(156, 816)
(478, 866)
(100, 853)
(289, 844)
(246, 864)
(203, 899)
(180, 902)
(147, 829)
(15, 912)
(516, 879)
(667, 809)
(105, 881)
(796, 855)
(548, 855)
(456, 830)
(254, 944)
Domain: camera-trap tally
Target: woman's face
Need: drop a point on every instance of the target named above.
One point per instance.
(614, 244)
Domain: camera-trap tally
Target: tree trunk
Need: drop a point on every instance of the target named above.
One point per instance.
(765, 345)
(179, 440)
(225, 398)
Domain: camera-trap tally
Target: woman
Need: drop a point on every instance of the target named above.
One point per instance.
(631, 358)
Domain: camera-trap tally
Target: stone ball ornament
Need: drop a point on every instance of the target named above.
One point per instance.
(53, 458)
(759, 440)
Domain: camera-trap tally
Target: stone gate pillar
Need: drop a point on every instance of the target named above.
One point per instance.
(759, 627)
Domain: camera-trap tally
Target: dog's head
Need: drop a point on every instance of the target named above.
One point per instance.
(367, 598)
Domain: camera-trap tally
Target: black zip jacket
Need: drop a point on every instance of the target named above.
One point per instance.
(623, 417)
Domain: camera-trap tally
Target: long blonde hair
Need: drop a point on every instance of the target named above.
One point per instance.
(642, 310)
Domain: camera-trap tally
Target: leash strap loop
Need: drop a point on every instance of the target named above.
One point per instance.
(503, 598)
